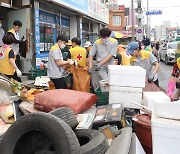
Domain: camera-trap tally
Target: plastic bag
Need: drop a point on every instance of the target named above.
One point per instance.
(5, 98)
(81, 79)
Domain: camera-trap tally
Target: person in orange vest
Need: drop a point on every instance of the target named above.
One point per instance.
(78, 53)
(8, 66)
(125, 57)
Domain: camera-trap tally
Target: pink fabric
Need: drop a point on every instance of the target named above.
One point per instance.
(171, 87)
(76, 100)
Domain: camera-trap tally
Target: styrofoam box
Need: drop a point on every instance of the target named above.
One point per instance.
(126, 76)
(165, 135)
(149, 98)
(168, 110)
(124, 95)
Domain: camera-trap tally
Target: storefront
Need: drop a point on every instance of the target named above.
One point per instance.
(71, 18)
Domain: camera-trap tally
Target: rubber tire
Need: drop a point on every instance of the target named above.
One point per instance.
(33, 131)
(67, 115)
(92, 141)
(166, 60)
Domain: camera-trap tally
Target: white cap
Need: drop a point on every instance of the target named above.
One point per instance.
(87, 44)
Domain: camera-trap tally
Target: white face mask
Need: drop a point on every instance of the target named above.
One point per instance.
(105, 41)
(63, 46)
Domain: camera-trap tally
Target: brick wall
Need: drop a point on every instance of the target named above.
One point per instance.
(123, 22)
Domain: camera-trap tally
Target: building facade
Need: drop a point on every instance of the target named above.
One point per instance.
(43, 20)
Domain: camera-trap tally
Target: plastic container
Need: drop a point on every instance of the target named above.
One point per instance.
(103, 97)
(104, 85)
(149, 98)
(36, 73)
(124, 95)
(165, 135)
(143, 131)
(126, 76)
(168, 110)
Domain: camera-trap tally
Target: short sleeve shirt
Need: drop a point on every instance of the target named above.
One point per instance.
(101, 50)
(53, 71)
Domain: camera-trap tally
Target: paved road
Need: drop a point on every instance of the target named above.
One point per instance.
(163, 74)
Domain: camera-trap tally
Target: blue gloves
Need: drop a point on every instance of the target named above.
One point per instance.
(151, 77)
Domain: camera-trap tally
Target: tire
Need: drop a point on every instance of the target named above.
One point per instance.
(67, 115)
(33, 131)
(166, 60)
(92, 141)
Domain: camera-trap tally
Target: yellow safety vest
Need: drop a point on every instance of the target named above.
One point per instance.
(11, 31)
(79, 54)
(54, 47)
(6, 67)
(178, 62)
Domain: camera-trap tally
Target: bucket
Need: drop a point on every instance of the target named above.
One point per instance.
(143, 131)
(104, 85)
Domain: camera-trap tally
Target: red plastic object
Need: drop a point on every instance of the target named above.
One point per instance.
(143, 131)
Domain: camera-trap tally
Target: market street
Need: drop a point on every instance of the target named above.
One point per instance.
(164, 74)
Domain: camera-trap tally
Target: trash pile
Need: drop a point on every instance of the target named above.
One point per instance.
(120, 116)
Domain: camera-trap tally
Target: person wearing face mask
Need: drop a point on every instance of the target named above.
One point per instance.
(78, 53)
(55, 69)
(1, 33)
(146, 60)
(15, 46)
(105, 50)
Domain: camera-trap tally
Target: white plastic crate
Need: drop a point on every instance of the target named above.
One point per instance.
(124, 95)
(149, 98)
(165, 135)
(126, 76)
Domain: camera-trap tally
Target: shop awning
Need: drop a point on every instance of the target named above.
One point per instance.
(116, 34)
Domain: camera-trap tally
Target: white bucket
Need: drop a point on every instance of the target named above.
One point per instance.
(104, 85)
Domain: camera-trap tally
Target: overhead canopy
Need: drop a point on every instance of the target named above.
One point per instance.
(116, 34)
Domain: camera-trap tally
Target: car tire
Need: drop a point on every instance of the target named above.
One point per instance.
(32, 131)
(67, 115)
(92, 141)
(166, 60)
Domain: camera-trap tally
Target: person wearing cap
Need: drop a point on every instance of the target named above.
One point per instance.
(88, 47)
(146, 42)
(145, 59)
(55, 67)
(105, 50)
(78, 53)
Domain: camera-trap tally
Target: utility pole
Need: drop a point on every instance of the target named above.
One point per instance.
(132, 16)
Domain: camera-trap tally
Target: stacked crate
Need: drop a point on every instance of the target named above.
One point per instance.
(126, 83)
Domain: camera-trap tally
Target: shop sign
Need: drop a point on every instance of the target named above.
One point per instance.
(98, 10)
(46, 17)
(79, 5)
(37, 35)
(65, 21)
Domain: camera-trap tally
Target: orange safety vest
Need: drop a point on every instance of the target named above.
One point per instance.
(6, 67)
(78, 53)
